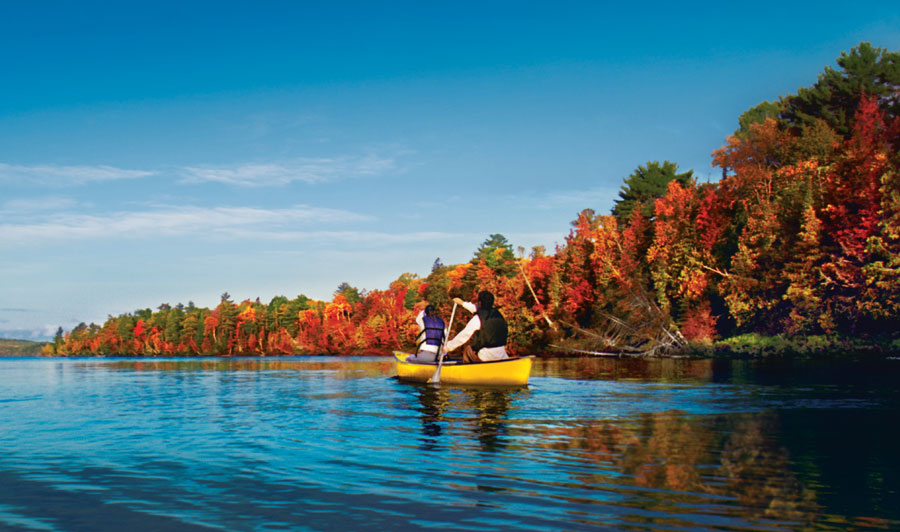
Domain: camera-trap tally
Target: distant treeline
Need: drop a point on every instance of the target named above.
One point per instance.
(800, 237)
(19, 348)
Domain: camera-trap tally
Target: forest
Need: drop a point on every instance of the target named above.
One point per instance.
(797, 244)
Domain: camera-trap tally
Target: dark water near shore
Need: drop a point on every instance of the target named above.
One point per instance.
(338, 444)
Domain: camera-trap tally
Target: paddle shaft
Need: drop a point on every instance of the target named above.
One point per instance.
(436, 378)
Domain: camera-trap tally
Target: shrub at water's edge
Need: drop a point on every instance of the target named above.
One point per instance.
(755, 345)
(795, 251)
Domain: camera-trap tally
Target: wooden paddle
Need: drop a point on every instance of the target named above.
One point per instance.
(436, 378)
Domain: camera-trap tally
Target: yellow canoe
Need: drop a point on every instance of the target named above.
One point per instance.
(507, 372)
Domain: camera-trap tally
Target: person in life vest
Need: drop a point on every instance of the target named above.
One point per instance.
(431, 334)
(486, 332)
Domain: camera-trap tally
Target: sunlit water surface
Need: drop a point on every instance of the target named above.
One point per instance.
(339, 444)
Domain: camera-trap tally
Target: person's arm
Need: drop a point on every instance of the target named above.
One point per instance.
(464, 335)
(466, 305)
(420, 321)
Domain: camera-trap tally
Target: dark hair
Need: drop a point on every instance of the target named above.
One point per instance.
(485, 299)
(429, 310)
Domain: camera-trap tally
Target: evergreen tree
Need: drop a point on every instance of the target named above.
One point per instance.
(58, 342)
(834, 98)
(174, 325)
(758, 114)
(644, 186)
(350, 293)
(497, 254)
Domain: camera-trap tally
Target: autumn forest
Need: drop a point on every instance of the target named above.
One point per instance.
(799, 240)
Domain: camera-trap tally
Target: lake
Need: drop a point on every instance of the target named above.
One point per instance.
(312, 443)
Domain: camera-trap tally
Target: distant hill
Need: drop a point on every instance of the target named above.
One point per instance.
(19, 348)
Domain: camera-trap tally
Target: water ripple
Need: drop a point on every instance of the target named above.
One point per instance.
(337, 444)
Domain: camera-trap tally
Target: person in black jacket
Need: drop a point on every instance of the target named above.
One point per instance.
(486, 331)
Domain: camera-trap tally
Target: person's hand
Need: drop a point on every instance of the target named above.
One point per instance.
(458, 301)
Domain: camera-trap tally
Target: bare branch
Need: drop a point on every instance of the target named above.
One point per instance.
(536, 300)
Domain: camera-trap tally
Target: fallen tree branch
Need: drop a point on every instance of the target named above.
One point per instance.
(716, 270)
(536, 300)
(588, 352)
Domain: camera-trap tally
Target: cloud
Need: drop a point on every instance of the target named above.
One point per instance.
(307, 170)
(57, 175)
(360, 238)
(24, 206)
(173, 221)
(45, 333)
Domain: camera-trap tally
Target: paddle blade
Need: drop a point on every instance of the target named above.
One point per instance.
(436, 377)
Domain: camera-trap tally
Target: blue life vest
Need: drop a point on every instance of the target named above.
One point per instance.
(434, 330)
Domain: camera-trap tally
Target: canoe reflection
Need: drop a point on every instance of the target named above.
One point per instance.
(432, 400)
(483, 410)
(490, 409)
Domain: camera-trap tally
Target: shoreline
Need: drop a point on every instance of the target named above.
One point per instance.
(743, 347)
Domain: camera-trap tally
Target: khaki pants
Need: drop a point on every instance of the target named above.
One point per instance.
(469, 356)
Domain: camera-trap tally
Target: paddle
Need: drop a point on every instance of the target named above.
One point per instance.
(436, 378)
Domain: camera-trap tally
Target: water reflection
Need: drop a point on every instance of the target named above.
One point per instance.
(733, 457)
(342, 368)
(338, 444)
(489, 419)
(639, 369)
(758, 471)
(485, 413)
(432, 401)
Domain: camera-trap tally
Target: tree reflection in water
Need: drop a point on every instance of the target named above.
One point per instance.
(731, 456)
(637, 369)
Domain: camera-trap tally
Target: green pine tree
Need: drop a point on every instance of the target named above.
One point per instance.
(835, 96)
(644, 186)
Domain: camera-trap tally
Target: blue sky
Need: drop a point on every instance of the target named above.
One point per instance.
(166, 152)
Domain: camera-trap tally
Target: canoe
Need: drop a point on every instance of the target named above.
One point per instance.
(507, 372)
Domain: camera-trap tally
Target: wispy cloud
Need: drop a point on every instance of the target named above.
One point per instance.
(173, 221)
(360, 238)
(56, 175)
(266, 174)
(32, 205)
(306, 170)
(36, 334)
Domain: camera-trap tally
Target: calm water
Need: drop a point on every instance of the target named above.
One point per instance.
(338, 444)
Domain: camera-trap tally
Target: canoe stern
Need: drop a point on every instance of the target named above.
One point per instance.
(508, 372)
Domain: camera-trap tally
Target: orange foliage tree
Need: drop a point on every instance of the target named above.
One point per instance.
(801, 235)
